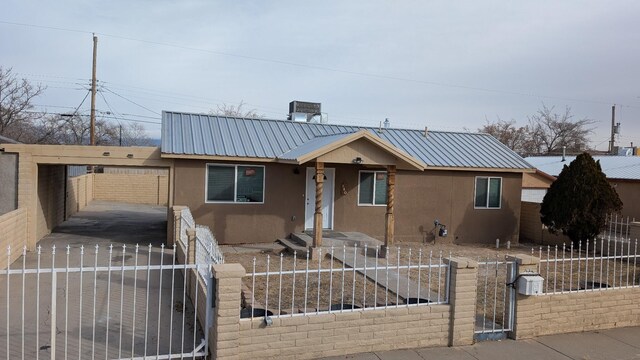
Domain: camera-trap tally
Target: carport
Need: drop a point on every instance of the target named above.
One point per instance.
(41, 179)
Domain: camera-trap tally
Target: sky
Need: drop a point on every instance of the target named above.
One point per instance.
(445, 65)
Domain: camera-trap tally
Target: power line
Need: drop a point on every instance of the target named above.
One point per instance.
(131, 101)
(322, 68)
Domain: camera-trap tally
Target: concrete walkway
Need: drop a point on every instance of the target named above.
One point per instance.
(621, 343)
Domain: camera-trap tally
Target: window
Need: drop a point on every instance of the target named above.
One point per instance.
(235, 183)
(488, 192)
(372, 188)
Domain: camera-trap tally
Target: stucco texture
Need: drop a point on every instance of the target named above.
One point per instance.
(421, 197)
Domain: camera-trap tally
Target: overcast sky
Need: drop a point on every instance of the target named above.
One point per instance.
(448, 65)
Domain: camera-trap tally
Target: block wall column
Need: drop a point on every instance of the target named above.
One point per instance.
(526, 309)
(463, 291)
(224, 335)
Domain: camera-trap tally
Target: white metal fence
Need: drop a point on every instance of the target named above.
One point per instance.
(617, 228)
(107, 303)
(343, 279)
(592, 265)
(495, 298)
(207, 250)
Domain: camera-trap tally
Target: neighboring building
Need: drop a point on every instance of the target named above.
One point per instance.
(254, 180)
(623, 173)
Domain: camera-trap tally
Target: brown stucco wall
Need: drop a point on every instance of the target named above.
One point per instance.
(629, 193)
(282, 212)
(421, 197)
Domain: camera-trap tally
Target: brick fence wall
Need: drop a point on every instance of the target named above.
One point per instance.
(147, 189)
(331, 334)
(573, 312)
(79, 193)
(13, 232)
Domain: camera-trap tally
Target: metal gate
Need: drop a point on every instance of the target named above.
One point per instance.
(103, 303)
(495, 299)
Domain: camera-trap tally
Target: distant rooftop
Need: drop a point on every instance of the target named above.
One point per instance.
(201, 134)
(6, 140)
(614, 167)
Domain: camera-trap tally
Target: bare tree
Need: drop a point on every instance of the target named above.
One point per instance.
(516, 138)
(61, 129)
(546, 132)
(236, 111)
(551, 131)
(16, 96)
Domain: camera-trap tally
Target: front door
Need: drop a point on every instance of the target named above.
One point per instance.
(327, 198)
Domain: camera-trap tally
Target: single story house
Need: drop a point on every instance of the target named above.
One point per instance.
(257, 180)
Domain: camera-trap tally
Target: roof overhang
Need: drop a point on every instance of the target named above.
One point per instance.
(371, 150)
(91, 155)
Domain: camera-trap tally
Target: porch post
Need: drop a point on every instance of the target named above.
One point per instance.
(317, 216)
(389, 224)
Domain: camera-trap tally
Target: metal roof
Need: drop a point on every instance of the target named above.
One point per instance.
(614, 167)
(199, 134)
(6, 140)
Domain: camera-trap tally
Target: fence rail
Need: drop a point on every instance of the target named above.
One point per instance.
(343, 279)
(593, 265)
(88, 302)
(207, 250)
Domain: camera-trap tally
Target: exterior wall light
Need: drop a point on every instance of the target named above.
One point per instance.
(106, 153)
(357, 160)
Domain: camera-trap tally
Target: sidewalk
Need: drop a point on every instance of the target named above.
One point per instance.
(621, 343)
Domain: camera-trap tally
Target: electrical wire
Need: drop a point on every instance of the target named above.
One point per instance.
(322, 68)
(131, 101)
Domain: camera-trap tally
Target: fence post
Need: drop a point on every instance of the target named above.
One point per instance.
(173, 224)
(462, 298)
(524, 311)
(224, 335)
(191, 239)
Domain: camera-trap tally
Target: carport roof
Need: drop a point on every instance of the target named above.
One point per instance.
(209, 136)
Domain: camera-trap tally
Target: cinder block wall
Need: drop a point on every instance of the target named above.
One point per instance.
(79, 193)
(336, 334)
(308, 337)
(147, 189)
(572, 312)
(531, 228)
(50, 203)
(576, 312)
(13, 232)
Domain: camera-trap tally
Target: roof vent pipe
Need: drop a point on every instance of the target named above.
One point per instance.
(564, 153)
(426, 131)
(387, 123)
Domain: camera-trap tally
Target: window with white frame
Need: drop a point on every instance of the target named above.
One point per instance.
(235, 183)
(372, 188)
(488, 192)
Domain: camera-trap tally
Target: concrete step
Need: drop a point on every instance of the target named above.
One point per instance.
(301, 239)
(293, 246)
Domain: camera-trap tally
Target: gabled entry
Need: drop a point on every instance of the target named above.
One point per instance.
(327, 198)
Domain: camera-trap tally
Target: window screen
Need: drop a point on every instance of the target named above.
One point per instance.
(488, 192)
(250, 180)
(373, 188)
(235, 183)
(220, 183)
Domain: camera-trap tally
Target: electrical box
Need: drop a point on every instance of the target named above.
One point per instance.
(530, 284)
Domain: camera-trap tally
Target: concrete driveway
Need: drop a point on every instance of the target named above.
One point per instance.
(99, 312)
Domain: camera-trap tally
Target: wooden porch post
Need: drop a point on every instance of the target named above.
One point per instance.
(389, 217)
(317, 216)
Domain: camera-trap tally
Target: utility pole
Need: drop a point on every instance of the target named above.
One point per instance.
(613, 125)
(93, 91)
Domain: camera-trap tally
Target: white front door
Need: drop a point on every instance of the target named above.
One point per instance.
(327, 198)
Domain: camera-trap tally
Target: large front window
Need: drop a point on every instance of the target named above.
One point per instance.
(488, 192)
(372, 188)
(235, 183)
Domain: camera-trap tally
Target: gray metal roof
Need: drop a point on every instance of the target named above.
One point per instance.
(198, 134)
(614, 167)
(6, 140)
